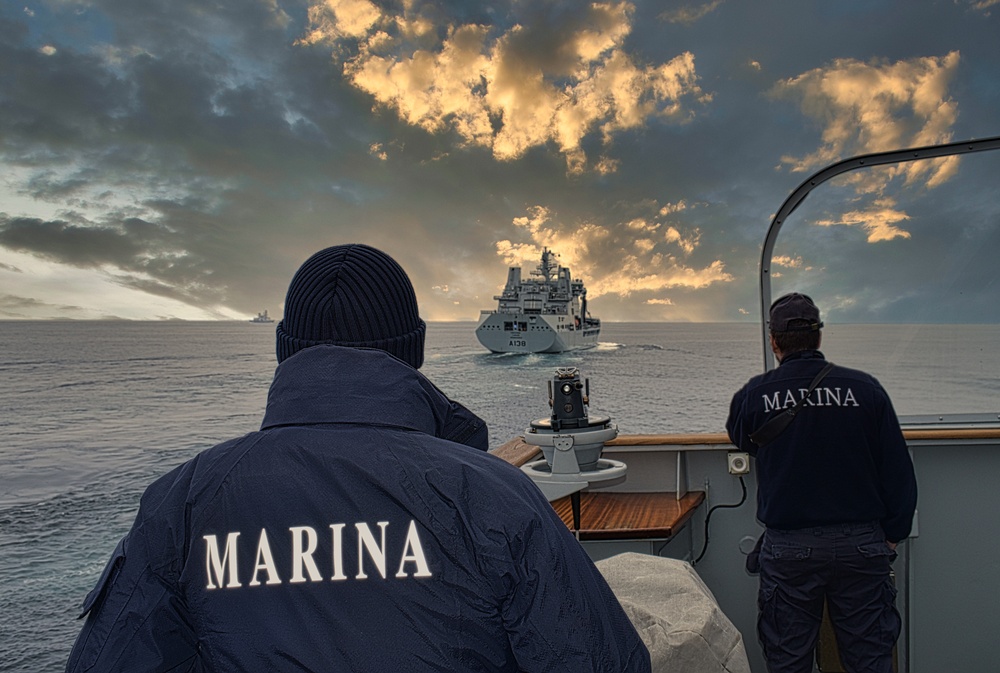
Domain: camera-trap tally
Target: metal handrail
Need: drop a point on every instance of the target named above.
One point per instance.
(796, 198)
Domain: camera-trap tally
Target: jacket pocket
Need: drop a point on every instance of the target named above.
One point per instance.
(876, 550)
(784, 551)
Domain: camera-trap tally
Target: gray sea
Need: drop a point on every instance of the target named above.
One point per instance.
(91, 412)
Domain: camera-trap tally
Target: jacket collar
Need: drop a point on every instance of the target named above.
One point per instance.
(333, 384)
(803, 355)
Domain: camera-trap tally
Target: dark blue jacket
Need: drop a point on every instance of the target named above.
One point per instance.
(347, 535)
(842, 459)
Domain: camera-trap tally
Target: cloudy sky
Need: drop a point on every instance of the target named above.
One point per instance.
(181, 158)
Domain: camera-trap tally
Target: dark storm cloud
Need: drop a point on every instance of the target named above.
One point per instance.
(136, 249)
(49, 103)
(63, 242)
(14, 307)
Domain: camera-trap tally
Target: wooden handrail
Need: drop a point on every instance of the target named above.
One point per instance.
(953, 433)
(518, 452)
(687, 439)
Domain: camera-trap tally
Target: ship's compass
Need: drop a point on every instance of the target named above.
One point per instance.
(572, 443)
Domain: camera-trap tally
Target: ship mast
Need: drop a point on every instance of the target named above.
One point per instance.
(545, 268)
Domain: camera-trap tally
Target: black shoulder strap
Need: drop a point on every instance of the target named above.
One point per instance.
(776, 425)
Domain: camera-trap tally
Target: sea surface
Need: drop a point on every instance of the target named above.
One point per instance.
(91, 412)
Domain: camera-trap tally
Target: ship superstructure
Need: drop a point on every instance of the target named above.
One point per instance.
(546, 313)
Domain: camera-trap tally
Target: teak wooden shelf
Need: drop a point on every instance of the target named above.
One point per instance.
(629, 516)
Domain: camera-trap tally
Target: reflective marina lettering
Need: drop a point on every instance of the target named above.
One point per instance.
(222, 564)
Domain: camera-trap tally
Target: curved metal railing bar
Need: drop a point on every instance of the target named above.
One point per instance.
(796, 198)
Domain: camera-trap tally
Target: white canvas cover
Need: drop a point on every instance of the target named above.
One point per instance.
(675, 614)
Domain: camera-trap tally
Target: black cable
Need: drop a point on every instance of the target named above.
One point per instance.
(709, 516)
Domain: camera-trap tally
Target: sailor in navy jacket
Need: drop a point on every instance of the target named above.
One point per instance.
(837, 492)
(363, 528)
(842, 460)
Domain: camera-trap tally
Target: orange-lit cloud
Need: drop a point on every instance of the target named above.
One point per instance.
(503, 91)
(984, 5)
(678, 207)
(691, 13)
(880, 221)
(872, 107)
(786, 261)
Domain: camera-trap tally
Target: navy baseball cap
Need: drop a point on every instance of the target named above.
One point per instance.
(794, 312)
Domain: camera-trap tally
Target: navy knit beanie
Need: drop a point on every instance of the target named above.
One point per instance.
(356, 296)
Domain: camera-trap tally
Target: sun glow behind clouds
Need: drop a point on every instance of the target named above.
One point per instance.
(505, 92)
(539, 82)
(633, 258)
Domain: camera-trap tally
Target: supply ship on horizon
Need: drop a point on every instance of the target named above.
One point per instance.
(546, 314)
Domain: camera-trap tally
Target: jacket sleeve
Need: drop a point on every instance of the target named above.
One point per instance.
(739, 434)
(559, 612)
(897, 481)
(464, 427)
(135, 622)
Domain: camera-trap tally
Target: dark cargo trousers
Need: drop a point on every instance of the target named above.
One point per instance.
(849, 566)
